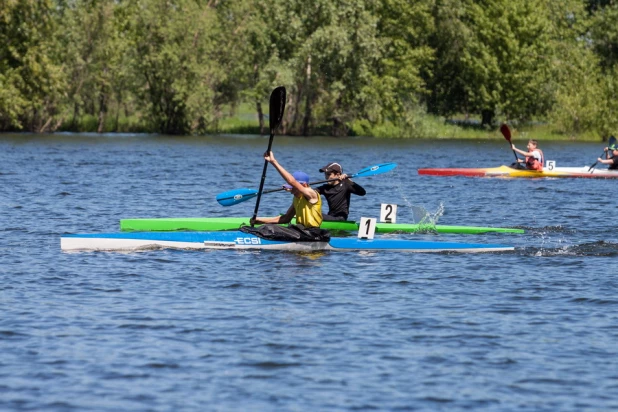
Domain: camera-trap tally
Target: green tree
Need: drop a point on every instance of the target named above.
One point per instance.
(93, 55)
(495, 55)
(350, 60)
(173, 52)
(604, 34)
(399, 79)
(584, 75)
(249, 54)
(334, 65)
(31, 82)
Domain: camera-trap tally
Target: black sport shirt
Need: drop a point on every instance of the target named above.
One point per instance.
(338, 197)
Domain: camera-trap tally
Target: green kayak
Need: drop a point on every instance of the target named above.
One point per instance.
(233, 223)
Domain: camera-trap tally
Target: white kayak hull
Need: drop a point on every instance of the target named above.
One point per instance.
(133, 241)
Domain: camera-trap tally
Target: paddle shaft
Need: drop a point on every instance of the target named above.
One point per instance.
(595, 163)
(516, 158)
(310, 184)
(279, 189)
(237, 196)
(259, 195)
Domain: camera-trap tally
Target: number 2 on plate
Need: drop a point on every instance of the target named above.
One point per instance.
(388, 213)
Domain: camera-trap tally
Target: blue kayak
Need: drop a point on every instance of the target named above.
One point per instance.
(129, 241)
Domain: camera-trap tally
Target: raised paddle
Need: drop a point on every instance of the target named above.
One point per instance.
(611, 142)
(276, 108)
(506, 132)
(234, 197)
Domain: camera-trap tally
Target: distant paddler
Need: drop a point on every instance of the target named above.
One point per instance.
(534, 156)
(611, 155)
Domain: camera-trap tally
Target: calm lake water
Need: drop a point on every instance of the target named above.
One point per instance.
(166, 330)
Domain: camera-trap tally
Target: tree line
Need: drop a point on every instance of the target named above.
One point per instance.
(181, 66)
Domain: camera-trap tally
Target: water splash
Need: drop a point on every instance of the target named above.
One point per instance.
(600, 249)
(423, 217)
(426, 220)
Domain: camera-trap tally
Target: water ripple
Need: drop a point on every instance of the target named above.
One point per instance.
(529, 330)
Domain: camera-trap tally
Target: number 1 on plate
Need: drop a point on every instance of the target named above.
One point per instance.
(367, 227)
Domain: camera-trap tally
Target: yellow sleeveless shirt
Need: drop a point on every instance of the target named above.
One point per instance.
(307, 214)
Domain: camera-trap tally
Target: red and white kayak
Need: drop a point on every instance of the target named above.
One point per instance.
(511, 172)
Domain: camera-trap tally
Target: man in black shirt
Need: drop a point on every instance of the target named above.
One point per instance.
(612, 161)
(338, 191)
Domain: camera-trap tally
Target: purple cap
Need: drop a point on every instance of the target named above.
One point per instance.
(300, 177)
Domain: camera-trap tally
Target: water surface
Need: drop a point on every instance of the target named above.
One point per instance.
(534, 329)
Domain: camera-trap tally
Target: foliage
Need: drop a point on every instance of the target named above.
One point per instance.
(379, 67)
(492, 58)
(173, 49)
(31, 82)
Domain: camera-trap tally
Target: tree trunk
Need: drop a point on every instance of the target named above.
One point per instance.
(74, 120)
(43, 128)
(117, 115)
(307, 117)
(260, 112)
(339, 128)
(102, 110)
(487, 116)
(295, 107)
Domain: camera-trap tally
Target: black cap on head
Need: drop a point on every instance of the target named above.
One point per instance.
(332, 167)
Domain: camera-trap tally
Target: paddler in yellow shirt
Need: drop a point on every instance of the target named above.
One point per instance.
(307, 203)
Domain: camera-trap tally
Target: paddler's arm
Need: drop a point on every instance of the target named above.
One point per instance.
(605, 161)
(521, 152)
(286, 218)
(355, 187)
(608, 159)
(309, 194)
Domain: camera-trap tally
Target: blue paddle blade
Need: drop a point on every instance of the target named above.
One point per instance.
(375, 170)
(236, 196)
(233, 197)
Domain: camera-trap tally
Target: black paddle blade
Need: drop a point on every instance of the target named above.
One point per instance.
(275, 115)
(506, 132)
(277, 106)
